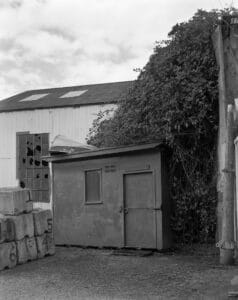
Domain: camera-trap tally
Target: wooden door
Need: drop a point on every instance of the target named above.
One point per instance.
(32, 171)
(139, 210)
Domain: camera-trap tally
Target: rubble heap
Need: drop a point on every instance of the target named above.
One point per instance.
(25, 234)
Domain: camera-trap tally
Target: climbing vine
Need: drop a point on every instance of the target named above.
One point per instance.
(175, 99)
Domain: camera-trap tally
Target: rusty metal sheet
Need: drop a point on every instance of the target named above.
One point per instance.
(32, 172)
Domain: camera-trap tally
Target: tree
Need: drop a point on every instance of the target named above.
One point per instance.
(175, 99)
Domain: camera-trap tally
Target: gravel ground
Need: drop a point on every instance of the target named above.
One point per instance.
(75, 273)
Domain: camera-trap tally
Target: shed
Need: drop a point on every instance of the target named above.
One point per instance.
(112, 197)
(30, 121)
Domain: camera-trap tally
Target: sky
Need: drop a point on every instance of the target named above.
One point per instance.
(55, 43)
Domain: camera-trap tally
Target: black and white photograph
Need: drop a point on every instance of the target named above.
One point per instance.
(118, 149)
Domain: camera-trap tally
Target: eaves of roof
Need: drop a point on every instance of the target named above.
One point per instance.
(105, 152)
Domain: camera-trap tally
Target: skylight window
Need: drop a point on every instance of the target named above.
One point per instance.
(33, 97)
(72, 94)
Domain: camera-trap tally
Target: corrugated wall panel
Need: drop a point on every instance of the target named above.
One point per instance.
(71, 122)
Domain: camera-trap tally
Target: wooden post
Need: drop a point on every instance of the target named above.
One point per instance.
(227, 244)
(218, 42)
(236, 176)
(225, 41)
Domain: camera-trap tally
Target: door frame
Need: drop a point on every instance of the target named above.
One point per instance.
(138, 171)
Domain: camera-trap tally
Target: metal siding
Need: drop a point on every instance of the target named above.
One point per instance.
(72, 122)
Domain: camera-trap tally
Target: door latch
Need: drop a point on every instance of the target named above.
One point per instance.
(123, 209)
(157, 208)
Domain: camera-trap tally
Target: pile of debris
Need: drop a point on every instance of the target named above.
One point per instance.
(25, 234)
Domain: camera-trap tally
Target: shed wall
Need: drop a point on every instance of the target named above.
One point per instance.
(76, 223)
(71, 122)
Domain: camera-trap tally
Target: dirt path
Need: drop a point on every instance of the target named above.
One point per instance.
(75, 273)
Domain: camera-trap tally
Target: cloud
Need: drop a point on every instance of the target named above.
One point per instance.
(6, 44)
(15, 4)
(59, 33)
(47, 43)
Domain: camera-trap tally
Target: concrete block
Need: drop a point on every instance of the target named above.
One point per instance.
(234, 281)
(7, 230)
(8, 255)
(3, 229)
(23, 225)
(26, 250)
(43, 221)
(14, 201)
(29, 206)
(45, 245)
(10, 235)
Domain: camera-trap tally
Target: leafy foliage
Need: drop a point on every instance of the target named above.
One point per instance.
(175, 99)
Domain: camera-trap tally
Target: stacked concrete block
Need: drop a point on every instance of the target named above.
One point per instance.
(25, 234)
(45, 245)
(15, 201)
(7, 230)
(23, 225)
(26, 250)
(43, 225)
(8, 255)
(42, 221)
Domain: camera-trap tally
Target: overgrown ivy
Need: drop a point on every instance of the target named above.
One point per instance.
(175, 99)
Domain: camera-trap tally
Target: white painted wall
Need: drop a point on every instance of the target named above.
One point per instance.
(71, 122)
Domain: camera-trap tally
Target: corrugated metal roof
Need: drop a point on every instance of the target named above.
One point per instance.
(62, 144)
(111, 151)
(93, 94)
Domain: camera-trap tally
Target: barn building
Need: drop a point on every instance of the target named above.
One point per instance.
(113, 197)
(31, 120)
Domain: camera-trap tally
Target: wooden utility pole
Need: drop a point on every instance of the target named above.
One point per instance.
(225, 41)
(227, 244)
